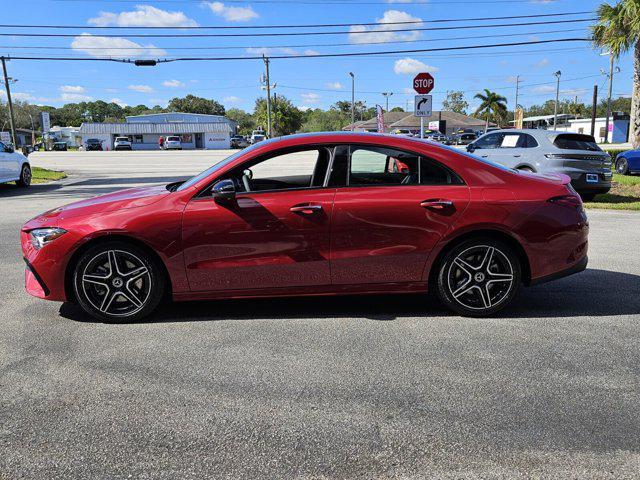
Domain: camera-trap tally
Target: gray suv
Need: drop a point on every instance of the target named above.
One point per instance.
(547, 151)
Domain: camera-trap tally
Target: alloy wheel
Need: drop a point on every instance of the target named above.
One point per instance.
(480, 277)
(622, 166)
(117, 283)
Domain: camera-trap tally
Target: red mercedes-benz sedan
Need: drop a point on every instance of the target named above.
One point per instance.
(315, 214)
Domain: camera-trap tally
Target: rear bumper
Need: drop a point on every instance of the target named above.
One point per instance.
(578, 267)
(603, 185)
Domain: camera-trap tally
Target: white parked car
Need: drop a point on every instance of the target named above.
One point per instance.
(258, 136)
(122, 143)
(14, 167)
(172, 143)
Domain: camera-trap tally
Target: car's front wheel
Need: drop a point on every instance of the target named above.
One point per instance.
(117, 281)
(622, 166)
(25, 176)
(478, 277)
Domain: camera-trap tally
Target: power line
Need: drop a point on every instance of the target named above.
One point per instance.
(314, 55)
(340, 44)
(325, 2)
(292, 34)
(321, 25)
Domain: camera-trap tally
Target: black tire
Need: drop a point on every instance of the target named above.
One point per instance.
(587, 197)
(478, 277)
(25, 177)
(129, 292)
(622, 166)
(526, 169)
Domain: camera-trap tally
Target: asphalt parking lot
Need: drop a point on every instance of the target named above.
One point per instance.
(352, 387)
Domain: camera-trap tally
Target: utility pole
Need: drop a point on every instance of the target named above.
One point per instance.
(353, 100)
(268, 87)
(594, 106)
(275, 112)
(517, 91)
(387, 95)
(12, 122)
(610, 75)
(555, 108)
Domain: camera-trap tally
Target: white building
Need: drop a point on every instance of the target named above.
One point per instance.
(618, 128)
(196, 131)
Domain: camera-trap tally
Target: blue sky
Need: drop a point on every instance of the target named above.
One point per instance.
(308, 82)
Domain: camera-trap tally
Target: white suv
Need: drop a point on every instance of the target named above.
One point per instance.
(14, 167)
(122, 143)
(172, 143)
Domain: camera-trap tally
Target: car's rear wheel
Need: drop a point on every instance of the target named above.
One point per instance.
(25, 177)
(622, 166)
(478, 277)
(117, 281)
(526, 169)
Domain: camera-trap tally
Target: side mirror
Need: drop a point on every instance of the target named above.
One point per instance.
(224, 190)
(8, 148)
(471, 148)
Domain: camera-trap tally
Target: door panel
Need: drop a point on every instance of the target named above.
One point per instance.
(383, 234)
(256, 241)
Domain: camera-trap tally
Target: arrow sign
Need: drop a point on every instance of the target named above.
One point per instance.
(423, 105)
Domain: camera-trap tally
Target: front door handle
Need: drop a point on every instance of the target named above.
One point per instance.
(517, 156)
(485, 156)
(306, 209)
(436, 204)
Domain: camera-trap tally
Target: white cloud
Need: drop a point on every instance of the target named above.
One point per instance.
(173, 83)
(310, 97)
(118, 102)
(544, 89)
(23, 96)
(231, 99)
(542, 63)
(141, 88)
(97, 46)
(232, 14)
(75, 97)
(407, 66)
(512, 79)
(311, 52)
(271, 51)
(384, 31)
(574, 91)
(72, 89)
(143, 16)
(334, 85)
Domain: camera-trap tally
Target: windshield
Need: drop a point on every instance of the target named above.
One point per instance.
(576, 141)
(173, 139)
(213, 168)
(122, 139)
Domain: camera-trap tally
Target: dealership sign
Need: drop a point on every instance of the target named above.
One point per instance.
(45, 121)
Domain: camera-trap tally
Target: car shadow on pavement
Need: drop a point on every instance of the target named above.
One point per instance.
(590, 293)
(11, 190)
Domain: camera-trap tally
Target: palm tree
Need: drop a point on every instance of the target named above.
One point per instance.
(617, 31)
(493, 105)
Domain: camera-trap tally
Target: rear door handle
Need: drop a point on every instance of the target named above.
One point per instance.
(517, 155)
(485, 156)
(436, 204)
(306, 209)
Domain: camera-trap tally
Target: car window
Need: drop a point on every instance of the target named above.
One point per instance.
(289, 169)
(382, 166)
(576, 141)
(528, 141)
(492, 140)
(511, 140)
(434, 173)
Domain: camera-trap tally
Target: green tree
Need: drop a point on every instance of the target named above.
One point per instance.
(455, 102)
(244, 120)
(492, 106)
(285, 117)
(331, 120)
(193, 104)
(617, 30)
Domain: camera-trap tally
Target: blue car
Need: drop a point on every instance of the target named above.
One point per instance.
(628, 163)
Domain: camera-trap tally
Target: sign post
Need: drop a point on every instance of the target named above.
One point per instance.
(423, 83)
(423, 108)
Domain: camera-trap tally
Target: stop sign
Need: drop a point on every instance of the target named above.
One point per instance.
(423, 83)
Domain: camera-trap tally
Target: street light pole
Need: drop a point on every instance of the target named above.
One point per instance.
(12, 122)
(387, 95)
(555, 108)
(353, 100)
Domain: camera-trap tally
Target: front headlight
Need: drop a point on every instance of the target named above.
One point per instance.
(41, 236)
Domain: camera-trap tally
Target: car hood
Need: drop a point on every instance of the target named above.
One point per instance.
(120, 200)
